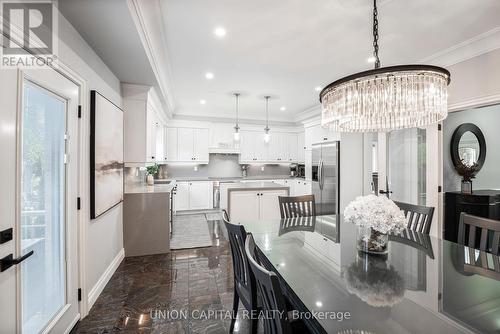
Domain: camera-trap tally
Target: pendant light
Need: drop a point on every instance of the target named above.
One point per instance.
(386, 98)
(267, 136)
(236, 134)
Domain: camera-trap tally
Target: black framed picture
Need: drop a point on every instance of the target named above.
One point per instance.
(106, 154)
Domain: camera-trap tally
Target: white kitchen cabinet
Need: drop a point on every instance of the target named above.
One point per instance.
(269, 204)
(291, 147)
(201, 145)
(301, 147)
(255, 205)
(171, 153)
(200, 195)
(252, 146)
(192, 145)
(318, 134)
(244, 206)
(181, 200)
(143, 125)
(193, 195)
(302, 188)
(185, 142)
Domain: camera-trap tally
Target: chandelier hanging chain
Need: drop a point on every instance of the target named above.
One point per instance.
(375, 34)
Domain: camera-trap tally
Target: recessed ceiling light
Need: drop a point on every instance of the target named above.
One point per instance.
(371, 59)
(318, 88)
(209, 75)
(283, 108)
(220, 32)
(203, 101)
(319, 304)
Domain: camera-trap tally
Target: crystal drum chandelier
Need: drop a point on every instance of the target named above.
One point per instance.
(386, 98)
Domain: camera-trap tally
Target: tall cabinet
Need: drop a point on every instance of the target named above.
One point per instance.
(144, 125)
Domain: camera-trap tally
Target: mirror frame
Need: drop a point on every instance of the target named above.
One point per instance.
(455, 140)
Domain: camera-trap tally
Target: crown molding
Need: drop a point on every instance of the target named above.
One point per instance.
(476, 102)
(222, 119)
(147, 17)
(473, 47)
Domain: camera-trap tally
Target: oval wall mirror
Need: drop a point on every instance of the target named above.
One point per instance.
(468, 146)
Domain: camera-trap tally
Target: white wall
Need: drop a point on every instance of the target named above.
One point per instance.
(475, 81)
(104, 235)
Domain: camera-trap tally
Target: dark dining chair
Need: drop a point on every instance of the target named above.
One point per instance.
(273, 300)
(485, 226)
(306, 224)
(244, 282)
(419, 216)
(297, 206)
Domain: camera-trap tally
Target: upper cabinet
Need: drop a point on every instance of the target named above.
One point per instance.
(187, 145)
(301, 147)
(317, 134)
(144, 125)
(282, 148)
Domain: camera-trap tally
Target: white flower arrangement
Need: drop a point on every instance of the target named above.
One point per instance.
(376, 212)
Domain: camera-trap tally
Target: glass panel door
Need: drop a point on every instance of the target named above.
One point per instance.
(406, 165)
(42, 205)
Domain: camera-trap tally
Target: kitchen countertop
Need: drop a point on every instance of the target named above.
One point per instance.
(239, 186)
(236, 178)
(141, 188)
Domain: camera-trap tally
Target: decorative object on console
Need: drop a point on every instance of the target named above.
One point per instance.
(375, 216)
(106, 155)
(386, 98)
(152, 170)
(467, 172)
(468, 153)
(374, 281)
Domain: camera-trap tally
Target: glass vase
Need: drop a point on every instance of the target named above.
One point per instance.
(371, 241)
(467, 187)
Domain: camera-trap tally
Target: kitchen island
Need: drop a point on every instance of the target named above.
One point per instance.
(255, 200)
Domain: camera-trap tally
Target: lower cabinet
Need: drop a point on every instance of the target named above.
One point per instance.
(255, 205)
(193, 195)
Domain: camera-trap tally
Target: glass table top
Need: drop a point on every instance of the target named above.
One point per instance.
(423, 285)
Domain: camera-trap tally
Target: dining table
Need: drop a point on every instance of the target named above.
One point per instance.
(423, 284)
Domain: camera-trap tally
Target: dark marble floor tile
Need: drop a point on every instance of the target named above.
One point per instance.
(207, 327)
(203, 286)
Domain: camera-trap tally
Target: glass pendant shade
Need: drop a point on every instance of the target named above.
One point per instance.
(386, 99)
(236, 135)
(267, 137)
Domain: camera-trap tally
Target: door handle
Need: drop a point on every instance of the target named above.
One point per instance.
(9, 261)
(386, 193)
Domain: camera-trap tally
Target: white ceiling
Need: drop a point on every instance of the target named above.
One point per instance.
(287, 48)
(108, 28)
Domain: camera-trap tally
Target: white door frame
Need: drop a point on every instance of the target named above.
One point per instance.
(71, 214)
(433, 176)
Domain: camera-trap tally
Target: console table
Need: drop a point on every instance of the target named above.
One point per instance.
(482, 203)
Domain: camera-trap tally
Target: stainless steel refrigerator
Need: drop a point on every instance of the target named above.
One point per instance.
(325, 177)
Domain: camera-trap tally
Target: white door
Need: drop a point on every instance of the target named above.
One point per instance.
(181, 201)
(269, 206)
(171, 138)
(199, 195)
(301, 147)
(185, 144)
(39, 144)
(408, 161)
(201, 144)
(243, 206)
(151, 129)
(160, 154)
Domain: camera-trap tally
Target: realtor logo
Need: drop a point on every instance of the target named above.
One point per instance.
(28, 33)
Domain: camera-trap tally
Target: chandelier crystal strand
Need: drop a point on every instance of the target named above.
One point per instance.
(387, 98)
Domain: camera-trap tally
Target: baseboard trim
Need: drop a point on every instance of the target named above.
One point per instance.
(104, 279)
(73, 324)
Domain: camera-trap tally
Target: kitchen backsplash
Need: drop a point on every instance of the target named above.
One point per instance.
(220, 165)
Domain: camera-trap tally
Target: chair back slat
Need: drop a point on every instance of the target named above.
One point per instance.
(485, 227)
(419, 216)
(273, 302)
(297, 206)
(243, 277)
